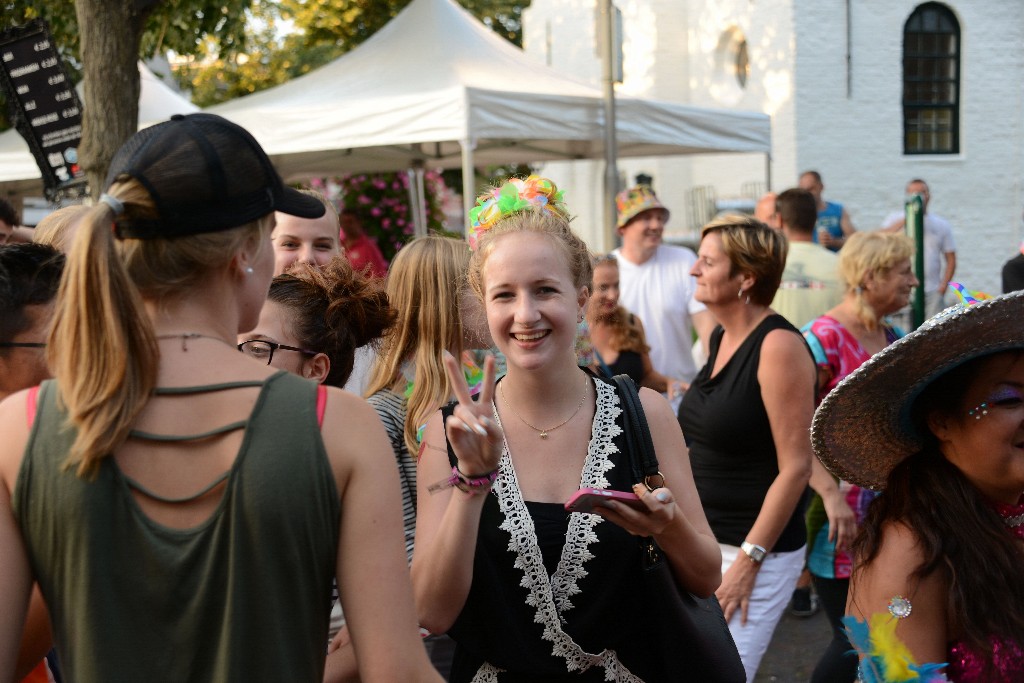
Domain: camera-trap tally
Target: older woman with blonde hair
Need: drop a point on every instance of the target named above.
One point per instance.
(745, 418)
(875, 270)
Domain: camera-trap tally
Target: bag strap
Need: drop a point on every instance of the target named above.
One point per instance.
(642, 458)
(605, 370)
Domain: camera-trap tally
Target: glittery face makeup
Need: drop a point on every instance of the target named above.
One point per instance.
(1002, 397)
(986, 443)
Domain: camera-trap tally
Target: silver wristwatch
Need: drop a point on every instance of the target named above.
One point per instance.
(755, 552)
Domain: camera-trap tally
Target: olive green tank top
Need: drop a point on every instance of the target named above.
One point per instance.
(244, 596)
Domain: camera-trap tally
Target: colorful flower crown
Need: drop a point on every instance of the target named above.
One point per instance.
(513, 196)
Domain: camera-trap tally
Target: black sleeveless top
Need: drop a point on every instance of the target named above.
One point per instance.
(732, 452)
(628, 363)
(544, 579)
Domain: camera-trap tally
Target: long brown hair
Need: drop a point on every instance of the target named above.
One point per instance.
(625, 333)
(424, 284)
(102, 348)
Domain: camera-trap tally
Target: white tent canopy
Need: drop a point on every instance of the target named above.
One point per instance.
(436, 86)
(157, 102)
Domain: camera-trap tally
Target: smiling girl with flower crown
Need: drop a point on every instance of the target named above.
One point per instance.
(528, 590)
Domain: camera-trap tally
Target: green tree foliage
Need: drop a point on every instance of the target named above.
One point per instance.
(185, 26)
(288, 38)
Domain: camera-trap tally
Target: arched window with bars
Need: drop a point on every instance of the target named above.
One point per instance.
(931, 81)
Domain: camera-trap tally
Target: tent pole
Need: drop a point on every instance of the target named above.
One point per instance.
(414, 212)
(421, 199)
(611, 171)
(468, 182)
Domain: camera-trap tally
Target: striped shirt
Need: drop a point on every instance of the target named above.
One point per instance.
(391, 408)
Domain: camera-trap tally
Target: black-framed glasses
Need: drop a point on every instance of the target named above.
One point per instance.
(22, 345)
(261, 349)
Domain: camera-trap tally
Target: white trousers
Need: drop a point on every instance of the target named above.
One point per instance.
(773, 589)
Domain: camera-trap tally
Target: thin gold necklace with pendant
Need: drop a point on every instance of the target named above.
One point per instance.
(544, 432)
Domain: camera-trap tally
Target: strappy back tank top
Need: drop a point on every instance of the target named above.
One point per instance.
(244, 595)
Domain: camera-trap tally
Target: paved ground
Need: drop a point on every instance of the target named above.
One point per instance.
(795, 649)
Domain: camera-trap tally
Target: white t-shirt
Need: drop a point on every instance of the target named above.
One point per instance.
(938, 241)
(660, 292)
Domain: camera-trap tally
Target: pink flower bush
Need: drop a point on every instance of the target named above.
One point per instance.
(383, 200)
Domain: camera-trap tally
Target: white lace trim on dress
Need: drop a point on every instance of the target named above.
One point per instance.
(552, 596)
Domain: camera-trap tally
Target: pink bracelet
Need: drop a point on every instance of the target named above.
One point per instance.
(470, 485)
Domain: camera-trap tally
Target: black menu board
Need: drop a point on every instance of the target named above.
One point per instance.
(47, 111)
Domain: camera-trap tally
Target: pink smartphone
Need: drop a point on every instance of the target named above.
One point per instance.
(586, 499)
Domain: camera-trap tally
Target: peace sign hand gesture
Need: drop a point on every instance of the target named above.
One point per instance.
(474, 435)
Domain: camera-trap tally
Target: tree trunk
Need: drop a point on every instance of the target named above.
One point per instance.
(110, 33)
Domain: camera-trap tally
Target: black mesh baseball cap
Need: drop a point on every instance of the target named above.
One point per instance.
(204, 174)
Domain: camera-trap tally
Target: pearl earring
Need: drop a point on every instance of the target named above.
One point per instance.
(248, 270)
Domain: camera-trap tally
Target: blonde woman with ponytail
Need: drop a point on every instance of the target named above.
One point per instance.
(875, 270)
(177, 502)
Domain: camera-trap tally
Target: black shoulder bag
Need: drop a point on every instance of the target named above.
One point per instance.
(691, 633)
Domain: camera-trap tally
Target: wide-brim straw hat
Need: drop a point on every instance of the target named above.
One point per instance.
(863, 428)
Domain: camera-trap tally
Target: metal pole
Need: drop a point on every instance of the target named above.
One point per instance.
(468, 183)
(410, 188)
(611, 171)
(914, 225)
(421, 199)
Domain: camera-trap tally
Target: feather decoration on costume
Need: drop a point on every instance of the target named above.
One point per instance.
(884, 657)
(968, 296)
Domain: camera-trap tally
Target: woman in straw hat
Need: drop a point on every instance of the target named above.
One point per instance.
(936, 420)
(179, 506)
(875, 270)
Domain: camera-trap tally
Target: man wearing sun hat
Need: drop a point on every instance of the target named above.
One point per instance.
(656, 285)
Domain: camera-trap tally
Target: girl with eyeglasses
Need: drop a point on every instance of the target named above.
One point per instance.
(315, 318)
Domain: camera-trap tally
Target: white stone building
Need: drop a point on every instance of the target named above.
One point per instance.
(831, 73)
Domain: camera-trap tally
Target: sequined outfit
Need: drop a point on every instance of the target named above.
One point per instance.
(969, 666)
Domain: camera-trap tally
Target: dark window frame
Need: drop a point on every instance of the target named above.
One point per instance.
(931, 80)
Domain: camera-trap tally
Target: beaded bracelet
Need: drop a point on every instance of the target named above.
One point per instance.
(471, 485)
